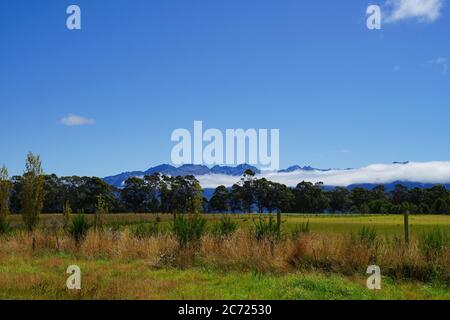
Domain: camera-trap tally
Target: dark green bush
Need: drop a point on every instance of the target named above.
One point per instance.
(300, 228)
(79, 227)
(225, 227)
(266, 229)
(188, 229)
(4, 226)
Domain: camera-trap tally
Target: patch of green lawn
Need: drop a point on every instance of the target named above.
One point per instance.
(45, 277)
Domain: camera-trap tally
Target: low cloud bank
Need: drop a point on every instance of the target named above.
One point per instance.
(423, 172)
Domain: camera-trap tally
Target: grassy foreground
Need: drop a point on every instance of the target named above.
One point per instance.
(44, 278)
(328, 262)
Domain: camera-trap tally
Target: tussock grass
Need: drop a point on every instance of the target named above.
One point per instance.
(243, 251)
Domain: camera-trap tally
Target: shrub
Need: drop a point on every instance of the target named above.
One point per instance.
(366, 235)
(5, 190)
(145, 230)
(4, 226)
(266, 230)
(101, 209)
(79, 227)
(188, 229)
(300, 228)
(225, 227)
(433, 243)
(32, 192)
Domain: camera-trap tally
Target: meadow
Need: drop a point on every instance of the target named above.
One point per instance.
(136, 256)
(388, 224)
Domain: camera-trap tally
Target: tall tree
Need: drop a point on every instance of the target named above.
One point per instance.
(101, 209)
(262, 194)
(360, 198)
(32, 194)
(89, 189)
(379, 193)
(339, 199)
(400, 194)
(220, 200)
(282, 199)
(152, 185)
(248, 190)
(5, 191)
(54, 195)
(134, 195)
(310, 198)
(236, 198)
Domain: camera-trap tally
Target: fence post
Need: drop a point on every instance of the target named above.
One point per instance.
(406, 225)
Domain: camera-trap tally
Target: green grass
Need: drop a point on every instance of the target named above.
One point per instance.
(325, 223)
(44, 278)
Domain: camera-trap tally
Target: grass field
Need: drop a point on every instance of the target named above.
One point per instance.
(335, 224)
(44, 278)
(320, 265)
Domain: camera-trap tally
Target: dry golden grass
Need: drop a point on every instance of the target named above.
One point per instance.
(240, 252)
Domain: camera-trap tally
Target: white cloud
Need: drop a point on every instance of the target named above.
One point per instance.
(424, 172)
(421, 10)
(74, 120)
(440, 62)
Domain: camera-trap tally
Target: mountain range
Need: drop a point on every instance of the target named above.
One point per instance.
(184, 170)
(203, 172)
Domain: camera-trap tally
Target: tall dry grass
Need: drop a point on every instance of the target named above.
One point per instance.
(242, 251)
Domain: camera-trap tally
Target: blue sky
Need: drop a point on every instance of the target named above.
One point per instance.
(341, 95)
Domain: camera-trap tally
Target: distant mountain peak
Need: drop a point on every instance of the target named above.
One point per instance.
(184, 170)
(299, 168)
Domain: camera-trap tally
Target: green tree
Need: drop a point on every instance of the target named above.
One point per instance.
(54, 195)
(247, 190)
(196, 198)
(134, 194)
(440, 207)
(236, 198)
(339, 199)
(32, 193)
(152, 185)
(87, 192)
(220, 200)
(379, 193)
(360, 198)
(101, 209)
(400, 194)
(166, 194)
(5, 191)
(262, 190)
(310, 198)
(282, 198)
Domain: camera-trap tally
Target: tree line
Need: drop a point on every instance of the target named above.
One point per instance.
(35, 191)
(260, 195)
